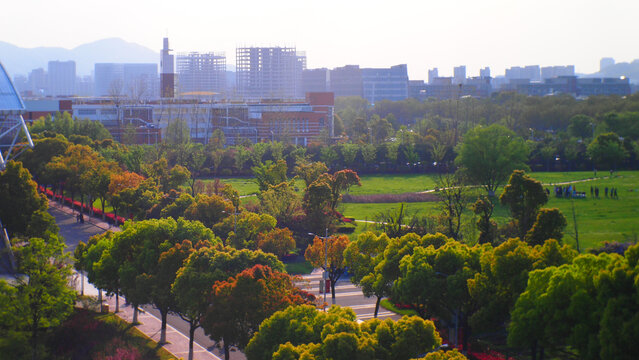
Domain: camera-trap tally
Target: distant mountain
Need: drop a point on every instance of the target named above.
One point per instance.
(629, 70)
(19, 60)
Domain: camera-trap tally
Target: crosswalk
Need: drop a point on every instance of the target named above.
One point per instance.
(346, 294)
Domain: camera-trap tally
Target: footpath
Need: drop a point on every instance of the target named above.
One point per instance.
(177, 343)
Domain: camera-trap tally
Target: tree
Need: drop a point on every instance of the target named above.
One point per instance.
(483, 207)
(380, 129)
(137, 250)
(524, 196)
(205, 266)
(550, 224)
(340, 182)
(488, 155)
(270, 173)
(120, 182)
(361, 257)
(277, 241)
(316, 254)
(239, 305)
(303, 332)
(607, 151)
(317, 201)
(18, 192)
(209, 209)
(310, 171)
(247, 229)
(41, 299)
(177, 132)
(453, 201)
(433, 281)
(281, 202)
(43, 151)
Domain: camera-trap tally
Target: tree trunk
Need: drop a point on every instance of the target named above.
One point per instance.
(533, 350)
(379, 299)
(135, 314)
(34, 340)
(117, 301)
(333, 290)
(103, 214)
(163, 314)
(192, 328)
(227, 353)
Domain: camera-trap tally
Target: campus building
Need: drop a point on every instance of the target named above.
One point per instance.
(385, 83)
(201, 74)
(269, 72)
(61, 78)
(295, 121)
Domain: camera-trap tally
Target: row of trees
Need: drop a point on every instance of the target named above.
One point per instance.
(36, 298)
(180, 266)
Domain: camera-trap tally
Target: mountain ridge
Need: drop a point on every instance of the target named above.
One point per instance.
(20, 61)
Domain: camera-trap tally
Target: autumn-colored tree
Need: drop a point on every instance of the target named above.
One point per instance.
(238, 305)
(335, 264)
(201, 270)
(277, 241)
(340, 182)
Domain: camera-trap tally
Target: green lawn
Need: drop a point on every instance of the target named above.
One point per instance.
(598, 220)
(393, 184)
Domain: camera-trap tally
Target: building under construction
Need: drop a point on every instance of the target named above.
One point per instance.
(269, 72)
(201, 74)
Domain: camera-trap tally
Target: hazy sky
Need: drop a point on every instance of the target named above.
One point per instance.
(372, 33)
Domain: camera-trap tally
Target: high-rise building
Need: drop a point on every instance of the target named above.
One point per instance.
(605, 62)
(459, 74)
(61, 77)
(315, 80)
(484, 73)
(201, 73)
(346, 81)
(385, 83)
(167, 72)
(126, 80)
(530, 72)
(38, 82)
(269, 72)
(432, 74)
(550, 72)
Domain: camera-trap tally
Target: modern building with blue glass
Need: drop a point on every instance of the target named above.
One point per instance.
(385, 83)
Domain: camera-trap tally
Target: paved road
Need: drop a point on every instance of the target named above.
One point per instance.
(347, 294)
(74, 232)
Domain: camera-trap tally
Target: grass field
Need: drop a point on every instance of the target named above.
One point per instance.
(598, 220)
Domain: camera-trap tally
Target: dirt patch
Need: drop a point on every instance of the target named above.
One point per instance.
(390, 198)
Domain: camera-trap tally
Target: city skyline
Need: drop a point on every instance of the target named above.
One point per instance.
(497, 34)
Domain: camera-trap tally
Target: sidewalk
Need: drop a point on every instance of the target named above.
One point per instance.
(177, 342)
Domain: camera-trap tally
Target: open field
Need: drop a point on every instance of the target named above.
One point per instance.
(598, 220)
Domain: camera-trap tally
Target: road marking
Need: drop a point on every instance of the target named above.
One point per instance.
(338, 287)
(372, 315)
(364, 306)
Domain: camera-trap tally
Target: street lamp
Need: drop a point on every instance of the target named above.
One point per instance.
(325, 274)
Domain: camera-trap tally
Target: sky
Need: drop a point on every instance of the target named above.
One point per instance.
(374, 33)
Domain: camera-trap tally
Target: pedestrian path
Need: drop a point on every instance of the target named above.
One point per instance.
(150, 325)
(177, 343)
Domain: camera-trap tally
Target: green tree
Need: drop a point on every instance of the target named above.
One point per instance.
(177, 132)
(435, 283)
(550, 224)
(488, 155)
(270, 173)
(209, 209)
(483, 207)
(42, 299)
(282, 202)
(310, 171)
(607, 151)
(524, 196)
(19, 198)
(361, 257)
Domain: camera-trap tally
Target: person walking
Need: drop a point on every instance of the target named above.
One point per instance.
(606, 191)
(597, 192)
